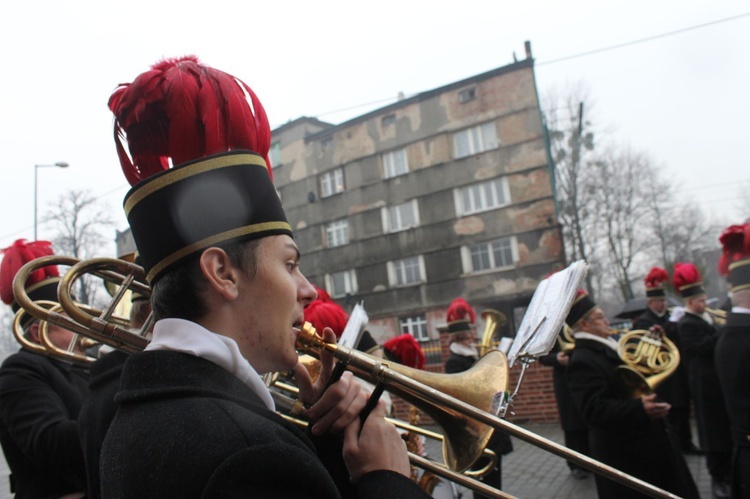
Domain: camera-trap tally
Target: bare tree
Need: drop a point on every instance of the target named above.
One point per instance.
(8, 343)
(623, 213)
(571, 141)
(80, 221)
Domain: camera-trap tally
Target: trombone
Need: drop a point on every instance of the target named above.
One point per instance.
(466, 434)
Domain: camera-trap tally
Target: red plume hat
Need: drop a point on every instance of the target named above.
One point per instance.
(211, 127)
(734, 262)
(687, 280)
(459, 316)
(654, 282)
(40, 285)
(582, 305)
(323, 314)
(405, 350)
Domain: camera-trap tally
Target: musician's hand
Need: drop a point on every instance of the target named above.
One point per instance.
(378, 446)
(563, 358)
(656, 328)
(655, 410)
(335, 407)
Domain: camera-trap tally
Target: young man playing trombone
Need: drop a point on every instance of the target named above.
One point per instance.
(195, 419)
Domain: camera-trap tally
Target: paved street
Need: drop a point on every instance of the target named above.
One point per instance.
(528, 472)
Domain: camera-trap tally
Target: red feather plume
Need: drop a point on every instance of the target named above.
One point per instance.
(685, 273)
(406, 350)
(322, 314)
(656, 277)
(459, 309)
(181, 110)
(735, 243)
(16, 256)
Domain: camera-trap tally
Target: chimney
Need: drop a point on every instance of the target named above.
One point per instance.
(527, 45)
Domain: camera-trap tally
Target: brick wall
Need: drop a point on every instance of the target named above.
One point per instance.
(535, 400)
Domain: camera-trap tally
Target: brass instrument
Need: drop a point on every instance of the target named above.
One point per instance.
(493, 320)
(465, 403)
(105, 327)
(565, 339)
(650, 358)
(718, 315)
(431, 392)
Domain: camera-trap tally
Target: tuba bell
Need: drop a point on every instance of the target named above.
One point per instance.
(649, 358)
(493, 320)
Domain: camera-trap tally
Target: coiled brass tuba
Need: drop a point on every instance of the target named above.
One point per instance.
(493, 320)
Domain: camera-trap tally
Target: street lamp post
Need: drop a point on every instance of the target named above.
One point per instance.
(59, 164)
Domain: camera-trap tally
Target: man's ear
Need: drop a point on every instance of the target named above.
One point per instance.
(34, 332)
(220, 272)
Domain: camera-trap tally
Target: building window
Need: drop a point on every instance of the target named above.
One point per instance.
(407, 271)
(400, 217)
(415, 326)
(274, 154)
(388, 119)
(467, 95)
(395, 163)
(341, 283)
(337, 233)
(491, 255)
(332, 183)
(481, 197)
(475, 140)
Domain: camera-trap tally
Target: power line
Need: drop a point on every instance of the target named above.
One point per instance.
(643, 40)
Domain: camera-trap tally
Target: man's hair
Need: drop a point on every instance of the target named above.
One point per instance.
(178, 293)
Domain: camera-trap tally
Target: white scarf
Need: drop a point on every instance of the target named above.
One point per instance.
(460, 349)
(608, 341)
(178, 335)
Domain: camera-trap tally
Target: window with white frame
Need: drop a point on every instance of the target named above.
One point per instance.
(274, 154)
(341, 283)
(490, 255)
(406, 271)
(395, 163)
(481, 197)
(332, 183)
(400, 217)
(337, 233)
(475, 140)
(415, 326)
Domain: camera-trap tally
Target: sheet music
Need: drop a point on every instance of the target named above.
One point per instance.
(353, 330)
(546, 313)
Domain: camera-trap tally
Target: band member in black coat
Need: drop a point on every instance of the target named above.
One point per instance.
(575, 431)
(195, 418)
(675, 389)
(40, 396)
(463, 354)
(99, 408)
(625, 432)
(733, 352)
(698, 338)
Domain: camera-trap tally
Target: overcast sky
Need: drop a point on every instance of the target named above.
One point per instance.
(683, 99)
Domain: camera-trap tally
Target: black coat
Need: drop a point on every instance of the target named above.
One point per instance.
(698, 340)
(733, 367)
(97, 413)
(675, 388)
(188, 428)
(620, 433)
(570, 418)
(40, 398)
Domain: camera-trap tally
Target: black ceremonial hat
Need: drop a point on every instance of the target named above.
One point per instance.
(582, 305)
(182, 211)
